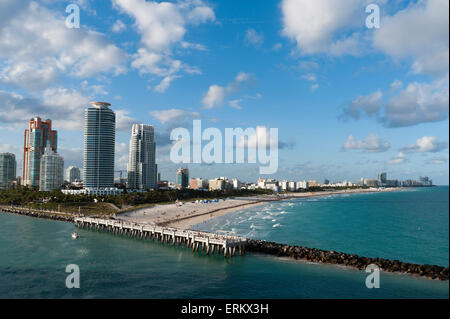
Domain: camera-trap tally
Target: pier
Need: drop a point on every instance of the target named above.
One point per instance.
(209, 243)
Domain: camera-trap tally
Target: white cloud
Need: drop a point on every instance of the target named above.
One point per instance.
(396, 85)
(121, 156)
(118, 26)
(418, 103)
(309, 77)
(124, 121)
(400, 158)
(65, 107)
(437, 160)
(214, 97)
(4, 148)
(162, 25)
(364, 105)
(36, 47)
(420, 32)
(236, 104)
(426, 144)
(260, 138)
(370, 144)
(307, 65)
(252, 37)
(277, 46)
(174, 116)
(165, 83)
(314, 25)
(216, 94)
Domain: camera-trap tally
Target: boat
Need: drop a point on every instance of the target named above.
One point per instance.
(75, 235)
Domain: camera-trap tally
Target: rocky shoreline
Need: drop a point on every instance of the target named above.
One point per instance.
(296, 252)
(350, 260)
(37, 214)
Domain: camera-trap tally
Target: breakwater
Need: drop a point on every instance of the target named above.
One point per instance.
(271, 248)
(351, 260)
(37, 214)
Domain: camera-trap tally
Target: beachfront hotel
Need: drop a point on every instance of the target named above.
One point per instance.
(142, 164)
(8, 166)
(38, 136)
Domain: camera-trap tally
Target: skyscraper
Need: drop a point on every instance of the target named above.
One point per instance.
(38, 136)
(73, 174)
(182, 178)
(52, 171)
(141, 164)
(7, 169)
(99, 144)
(382, 178)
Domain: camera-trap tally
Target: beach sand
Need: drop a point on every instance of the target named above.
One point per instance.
(191, 213)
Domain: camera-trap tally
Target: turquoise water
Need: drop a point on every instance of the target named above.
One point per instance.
(35, 253)
(410, 225)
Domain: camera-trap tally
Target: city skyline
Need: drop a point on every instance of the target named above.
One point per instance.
(348, 102)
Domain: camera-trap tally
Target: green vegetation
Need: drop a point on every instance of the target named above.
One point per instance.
(106, 205)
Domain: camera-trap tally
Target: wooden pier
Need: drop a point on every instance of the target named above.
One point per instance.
(210, 243)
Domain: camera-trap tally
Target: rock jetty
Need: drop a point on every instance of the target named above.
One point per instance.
(339, 258)
(38, 214)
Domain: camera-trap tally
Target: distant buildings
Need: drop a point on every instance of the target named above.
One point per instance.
(38, 136)
(270, 184)
(73, 174)
(142, 164)
(51, 171)
(382, 179)
(302, 185)
(372, 183)
(99, 144)
(182, 178)
(236, 184)
(313, 183)
(8, 166)
(198, 183)
(219, 184)
(425, 181)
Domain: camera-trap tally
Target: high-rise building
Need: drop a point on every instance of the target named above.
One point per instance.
(52, 171)
(8, 166)
(182, 178)
(38, 136)
(382, 178)
(73, 174)
(99, 144)
(141, 164)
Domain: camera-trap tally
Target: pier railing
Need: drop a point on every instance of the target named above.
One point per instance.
(211, 243)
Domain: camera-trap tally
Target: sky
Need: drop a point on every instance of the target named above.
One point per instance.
(348, 101)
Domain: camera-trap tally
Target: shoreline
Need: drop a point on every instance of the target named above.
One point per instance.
(188, 221)
(313, 255)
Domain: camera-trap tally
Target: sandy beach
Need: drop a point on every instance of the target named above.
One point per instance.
(192, 213)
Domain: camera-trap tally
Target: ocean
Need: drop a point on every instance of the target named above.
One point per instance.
(410, 225)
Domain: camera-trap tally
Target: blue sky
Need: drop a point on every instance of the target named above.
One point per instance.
(348, 101)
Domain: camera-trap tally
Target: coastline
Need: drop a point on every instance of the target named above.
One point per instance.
(278, 249)
(192, 214)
